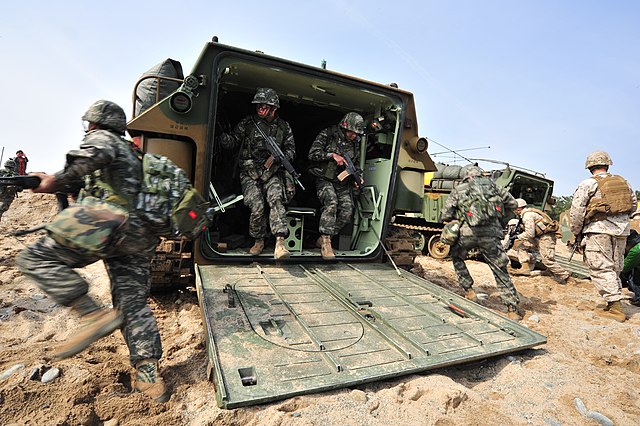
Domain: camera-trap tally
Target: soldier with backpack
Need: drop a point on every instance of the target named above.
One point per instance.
(478, 204)
(540, 234)
(599, 217)
(265, 184)
(104, 225)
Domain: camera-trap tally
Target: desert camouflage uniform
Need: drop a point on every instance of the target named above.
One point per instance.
(7, 193)
(335, 195)
(486, 238)
(603, 240)
(260, 184)
(545, 244)
(105, 154)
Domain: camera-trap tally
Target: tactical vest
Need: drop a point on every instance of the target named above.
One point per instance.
(543, 224)
(615, 198)
(481, 203)
(253, 158)
(328, 169)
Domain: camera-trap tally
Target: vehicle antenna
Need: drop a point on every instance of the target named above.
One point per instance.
(449, 150)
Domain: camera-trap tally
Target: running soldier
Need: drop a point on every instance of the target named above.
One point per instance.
(8, 193)
(540, 235)
(265, 183)
(599, 218)
(114, 176)
(333, 185)
(478, 204)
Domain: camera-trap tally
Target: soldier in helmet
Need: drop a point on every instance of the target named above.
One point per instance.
(113, 173)
(599, 216)
(264, 182)
(539, 234)
(327, 152)
(478, 203)
(8, 193)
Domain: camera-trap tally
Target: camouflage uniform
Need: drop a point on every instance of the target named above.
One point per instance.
(8, 193)
(486, 238)
(544, 243)
(335, 195)
(260, 184)
(603, 240)
(105, 155)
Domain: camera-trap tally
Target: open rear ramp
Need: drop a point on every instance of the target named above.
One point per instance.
(277, 331)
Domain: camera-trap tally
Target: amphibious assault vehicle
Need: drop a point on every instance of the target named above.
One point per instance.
(275, 330)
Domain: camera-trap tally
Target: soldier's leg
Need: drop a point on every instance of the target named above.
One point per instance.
(344, 213)
(494, 255)
(329, 199)
(277, 213)
(51, 266)
(547, 246)
(602, 261)
(254, 199)
(130, 286)
(459, 253)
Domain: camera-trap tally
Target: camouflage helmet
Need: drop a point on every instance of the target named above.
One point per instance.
(265, 95)
(107, 115)
(354, 122)
(10, 164)
(474, 171)
(597, 158)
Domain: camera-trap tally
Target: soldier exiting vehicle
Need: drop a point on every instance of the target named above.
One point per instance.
(333, 150)
(599, 215)
(478, 204)
(540, 233)
(8, 193)
(265, 184)
(105, 227)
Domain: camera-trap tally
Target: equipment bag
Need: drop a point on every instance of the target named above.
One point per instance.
(482, 202)
(91, 225)
(167, 201)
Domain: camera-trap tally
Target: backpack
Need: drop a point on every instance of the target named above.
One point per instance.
(481, 202)
(615, 198)
(167, 201)
(544, 224)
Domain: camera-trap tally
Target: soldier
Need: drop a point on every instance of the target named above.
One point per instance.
(332, 185)
(478, 204)
(113, 175)
(8, 193)
(21, 162)
(539, 234)
(599, 216)
(264, 182)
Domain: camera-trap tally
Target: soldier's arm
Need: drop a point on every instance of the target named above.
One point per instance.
(529, 224)
(318, 151)
(586, 189)
(237, 135)
(289, 144)
(96, 152)
(508, 201)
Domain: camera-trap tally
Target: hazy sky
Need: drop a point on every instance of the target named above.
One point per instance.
(542, 83)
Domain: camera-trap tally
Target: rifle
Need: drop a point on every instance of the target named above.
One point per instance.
(22, 182)
(278, 155)
(513, 232)
(350, 170)
(575, 246)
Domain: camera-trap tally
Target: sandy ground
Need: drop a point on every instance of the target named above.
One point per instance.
(589, 358)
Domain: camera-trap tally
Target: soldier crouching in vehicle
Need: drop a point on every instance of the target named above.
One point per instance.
(329, 153)
(8, 193)
(478, 206)
(264, 181)
(105, 226)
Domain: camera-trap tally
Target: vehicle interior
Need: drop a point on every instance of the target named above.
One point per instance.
(309, 101)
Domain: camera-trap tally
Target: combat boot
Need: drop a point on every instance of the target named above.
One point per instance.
(570, 281)
(95, 325)
(257, 248)
(325, 248)
(525, 270)
(614, 311)
(281, 251)
(514, 313)
(149, 382)
(471, 295)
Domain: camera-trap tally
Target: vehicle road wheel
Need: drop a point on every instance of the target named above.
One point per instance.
(422, 241)
(438, 249)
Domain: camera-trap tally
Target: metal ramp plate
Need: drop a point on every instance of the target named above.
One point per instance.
(274, 332)
(576, 267)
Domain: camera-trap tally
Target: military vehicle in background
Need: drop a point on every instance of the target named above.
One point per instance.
(276, 330)
(423, 221)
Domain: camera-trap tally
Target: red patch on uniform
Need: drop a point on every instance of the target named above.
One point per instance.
(193, 214)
